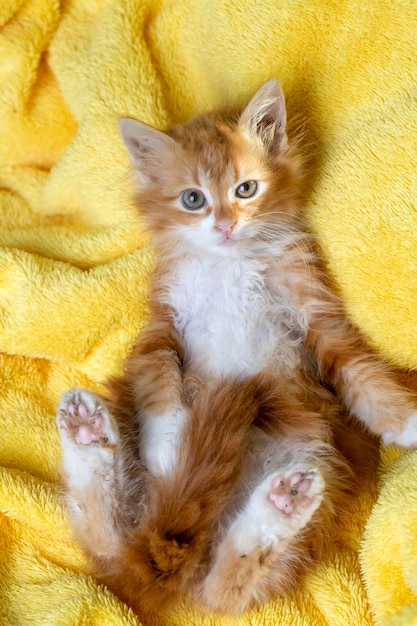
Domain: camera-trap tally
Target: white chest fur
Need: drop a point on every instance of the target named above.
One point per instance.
(231, 317)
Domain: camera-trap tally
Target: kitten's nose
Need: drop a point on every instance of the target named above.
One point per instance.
(225, 227)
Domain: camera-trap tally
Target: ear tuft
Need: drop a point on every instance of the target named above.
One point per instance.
(265, 119)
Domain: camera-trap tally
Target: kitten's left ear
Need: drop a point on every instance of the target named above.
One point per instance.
(265, 119)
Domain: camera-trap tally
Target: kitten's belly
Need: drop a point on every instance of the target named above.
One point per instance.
(230, 322)
(224, 351)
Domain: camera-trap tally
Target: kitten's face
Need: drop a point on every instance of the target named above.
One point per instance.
(227, 187)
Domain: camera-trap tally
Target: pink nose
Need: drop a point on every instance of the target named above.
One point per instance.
(225, 227)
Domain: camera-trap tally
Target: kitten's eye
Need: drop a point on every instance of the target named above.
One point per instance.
(247, 189)
(193, 199)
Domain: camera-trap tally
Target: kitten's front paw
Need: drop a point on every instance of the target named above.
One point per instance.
(407, 438)
(160, 439)
(83, 418)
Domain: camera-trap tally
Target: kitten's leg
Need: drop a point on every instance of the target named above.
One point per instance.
(153, 377)
(363, 382)
(369, 390)
(372, 394)
(261, 549)
(90, 444)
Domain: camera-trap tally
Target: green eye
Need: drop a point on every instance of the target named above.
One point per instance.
(247, 189)
(193, 199)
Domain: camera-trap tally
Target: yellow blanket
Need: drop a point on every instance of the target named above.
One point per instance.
(74, 264)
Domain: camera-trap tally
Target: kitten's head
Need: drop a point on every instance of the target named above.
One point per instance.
(219, 183)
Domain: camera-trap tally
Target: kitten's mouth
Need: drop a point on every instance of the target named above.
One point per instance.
(228, 239)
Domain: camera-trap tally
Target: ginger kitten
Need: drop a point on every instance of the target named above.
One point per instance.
(211, 469)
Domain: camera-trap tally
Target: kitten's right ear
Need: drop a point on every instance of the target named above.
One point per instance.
(146, 146)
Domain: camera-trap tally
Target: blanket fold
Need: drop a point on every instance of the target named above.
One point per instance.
(75, 260)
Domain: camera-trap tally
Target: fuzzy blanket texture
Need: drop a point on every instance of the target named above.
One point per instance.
(74, 262)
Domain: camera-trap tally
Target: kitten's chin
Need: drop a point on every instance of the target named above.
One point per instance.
(230, 249)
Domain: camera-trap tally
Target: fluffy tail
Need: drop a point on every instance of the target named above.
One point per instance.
(171, 545)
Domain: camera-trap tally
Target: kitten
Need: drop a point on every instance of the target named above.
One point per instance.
(211, 470)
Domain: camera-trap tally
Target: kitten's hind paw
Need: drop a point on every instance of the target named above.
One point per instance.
(297, 490)
(85, 419)
(280, 507)
(295, 493)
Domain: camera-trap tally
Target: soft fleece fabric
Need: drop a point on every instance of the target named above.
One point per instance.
(74, 263)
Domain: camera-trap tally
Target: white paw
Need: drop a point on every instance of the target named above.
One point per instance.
(89, 437)
(281, 505)
(159, 440)
(296, 491)
(85, 419)
(407, 438)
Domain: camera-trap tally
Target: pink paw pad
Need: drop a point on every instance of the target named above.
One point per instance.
(291, 492)
(84, 424)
